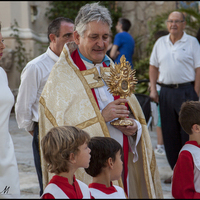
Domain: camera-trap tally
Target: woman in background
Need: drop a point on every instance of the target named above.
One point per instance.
(9, 176)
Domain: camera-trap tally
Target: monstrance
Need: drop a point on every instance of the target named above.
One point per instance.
(122, 82)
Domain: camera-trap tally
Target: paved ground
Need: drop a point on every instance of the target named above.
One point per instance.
(22, 140)
(28, 179)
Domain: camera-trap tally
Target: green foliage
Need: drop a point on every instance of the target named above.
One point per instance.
(141, 64)
(70, 10)
(142, 73)
(20, 51)
(137, 50)
(158, 23)
(192, 20)
(67, 9)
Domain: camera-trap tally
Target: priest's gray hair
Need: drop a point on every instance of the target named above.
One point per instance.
(91, 12)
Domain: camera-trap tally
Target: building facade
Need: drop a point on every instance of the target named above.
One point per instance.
(32, 30)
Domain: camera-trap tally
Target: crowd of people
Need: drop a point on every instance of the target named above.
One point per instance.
(77, 152)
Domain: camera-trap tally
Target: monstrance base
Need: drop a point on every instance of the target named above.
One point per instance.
(122, 122)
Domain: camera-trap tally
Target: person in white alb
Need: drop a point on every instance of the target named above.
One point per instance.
(33, 79)
(9, 175)
(175, 57)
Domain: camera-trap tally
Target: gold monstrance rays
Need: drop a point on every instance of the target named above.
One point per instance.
(122, 82)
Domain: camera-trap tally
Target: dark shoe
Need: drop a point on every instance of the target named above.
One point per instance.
(168, 180)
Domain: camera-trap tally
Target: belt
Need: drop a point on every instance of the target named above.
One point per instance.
(175, 85)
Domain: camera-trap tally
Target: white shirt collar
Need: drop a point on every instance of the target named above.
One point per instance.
(90, 65)
(183, 38)
(52, 55)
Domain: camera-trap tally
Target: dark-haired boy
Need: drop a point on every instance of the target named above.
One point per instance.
(105, 166)
(186, 175)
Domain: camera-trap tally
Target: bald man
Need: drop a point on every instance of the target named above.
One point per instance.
(176, 58)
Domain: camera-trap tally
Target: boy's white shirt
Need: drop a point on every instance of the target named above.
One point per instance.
(195, 152)
(58, 193)
(98, 194)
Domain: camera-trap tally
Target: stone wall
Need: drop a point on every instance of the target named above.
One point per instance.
(32, 32)
(30, 16)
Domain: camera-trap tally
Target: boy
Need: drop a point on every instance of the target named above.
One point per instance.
(65, 149)
(186, 175)
(105, 166)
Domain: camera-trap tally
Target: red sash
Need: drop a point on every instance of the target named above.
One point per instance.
(125, 150)
(77, 60)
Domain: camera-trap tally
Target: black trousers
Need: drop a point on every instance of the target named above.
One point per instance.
(170, 101)
(36, 154)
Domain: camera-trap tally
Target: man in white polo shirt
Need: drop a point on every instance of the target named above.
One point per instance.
(176, 57)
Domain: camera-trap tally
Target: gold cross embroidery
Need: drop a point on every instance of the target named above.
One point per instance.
(94, 79)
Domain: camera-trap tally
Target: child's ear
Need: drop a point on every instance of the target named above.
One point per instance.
(110, 162)
(196, 128)
(72, 158)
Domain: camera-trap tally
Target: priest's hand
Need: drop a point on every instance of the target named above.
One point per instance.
(115, 110)
(128, 130)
